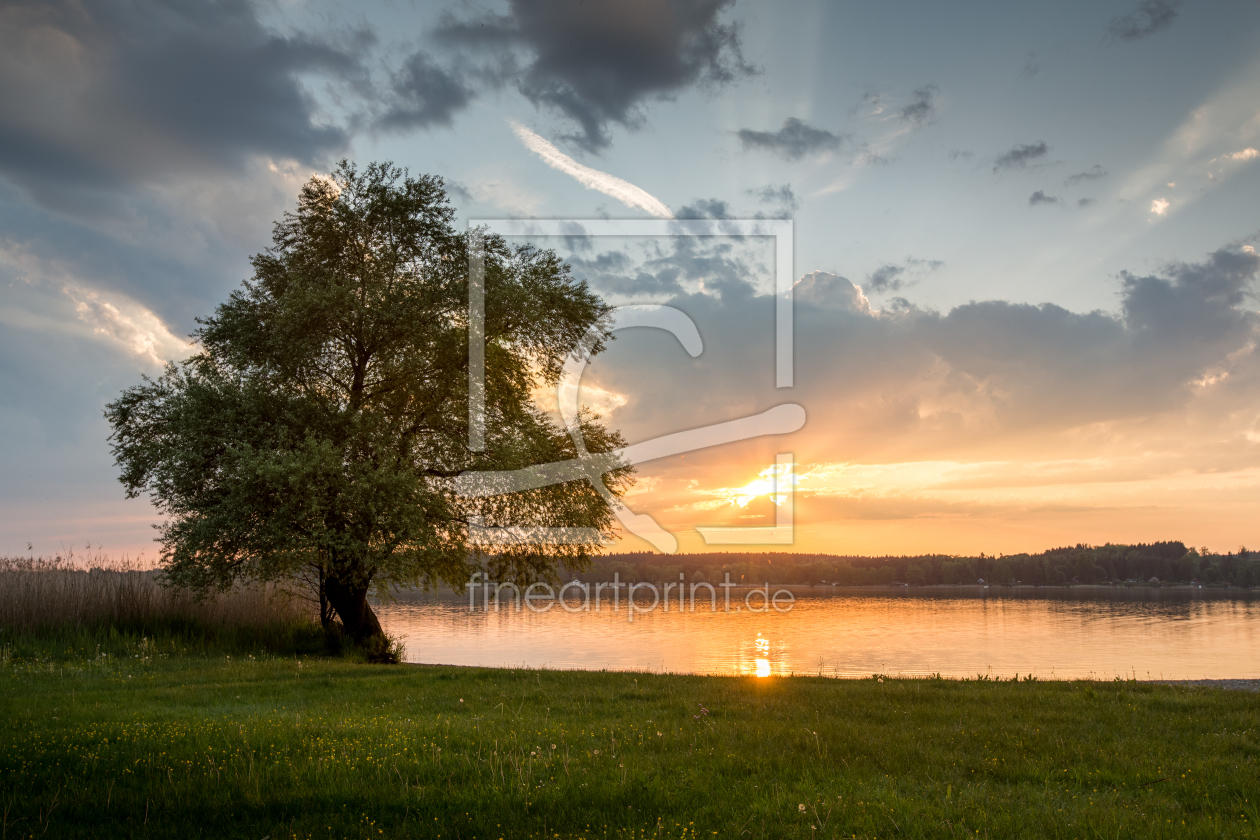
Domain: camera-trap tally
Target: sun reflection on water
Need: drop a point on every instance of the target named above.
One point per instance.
(761, 658)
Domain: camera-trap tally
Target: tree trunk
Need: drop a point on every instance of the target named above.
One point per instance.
(350, 602)
(325, 608)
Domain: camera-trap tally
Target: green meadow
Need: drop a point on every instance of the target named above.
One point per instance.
(119, 736)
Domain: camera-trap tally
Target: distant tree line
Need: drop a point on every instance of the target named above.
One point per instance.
(1166, 562)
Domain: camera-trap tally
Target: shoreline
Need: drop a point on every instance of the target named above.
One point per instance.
(968, 590)
(1224, 683)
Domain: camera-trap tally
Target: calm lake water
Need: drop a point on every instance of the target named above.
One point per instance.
(1142, 634)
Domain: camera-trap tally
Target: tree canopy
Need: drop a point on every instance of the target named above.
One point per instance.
(315, 433)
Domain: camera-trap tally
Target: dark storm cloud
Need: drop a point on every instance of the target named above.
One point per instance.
(1018, 157)
(598, 63)
(1092, 174)
(780, 195)
(103, 93)
(1040, 197)
(793, 141)
(425, 94)
(1149, 17)
(922, 107)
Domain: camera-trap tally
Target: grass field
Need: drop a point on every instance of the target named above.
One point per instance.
(142, 740)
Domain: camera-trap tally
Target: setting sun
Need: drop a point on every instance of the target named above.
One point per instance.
(771, 483)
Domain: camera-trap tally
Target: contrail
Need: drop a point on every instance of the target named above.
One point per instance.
(624, 191)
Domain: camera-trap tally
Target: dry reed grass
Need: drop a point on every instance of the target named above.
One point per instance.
(75, 594)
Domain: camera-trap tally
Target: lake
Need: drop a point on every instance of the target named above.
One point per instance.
(1142, 634)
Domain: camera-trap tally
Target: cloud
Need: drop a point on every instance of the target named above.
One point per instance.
(592, 179)
(1020, 359)
(107, 94)
(46, 294)
(177, 247)
(1149, 17)
(1160, 207)
(918, 111)
(611, 279)
(830, 291)
(1018, 157)
(781, 195)
(705, 208)
(639, 270)
(885, 278)
(867, 156)
(875, 105)
(457, 190)
(1245, 154)
(424, 95)
(1092, 174)
(1040, 197)
(597, 64)
(1085, 202)
(1193, 304)
(793, 141)
(922, 107)
(728, 268)
(507, 194)
(892, 277)
(907, 383)
(65, 350)
(133, 328)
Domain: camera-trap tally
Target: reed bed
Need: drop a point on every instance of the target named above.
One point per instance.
(76, 598)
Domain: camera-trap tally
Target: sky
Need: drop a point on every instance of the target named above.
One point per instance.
(1023, 243)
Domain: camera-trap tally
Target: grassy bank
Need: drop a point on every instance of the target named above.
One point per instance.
(155, 743)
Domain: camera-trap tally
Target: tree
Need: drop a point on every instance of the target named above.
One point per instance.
(1188, 566)
(316, 433)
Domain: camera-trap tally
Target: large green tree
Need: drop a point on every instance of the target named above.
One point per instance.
(316, 432)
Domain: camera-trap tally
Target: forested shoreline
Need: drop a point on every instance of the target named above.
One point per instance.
(1169, 562)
